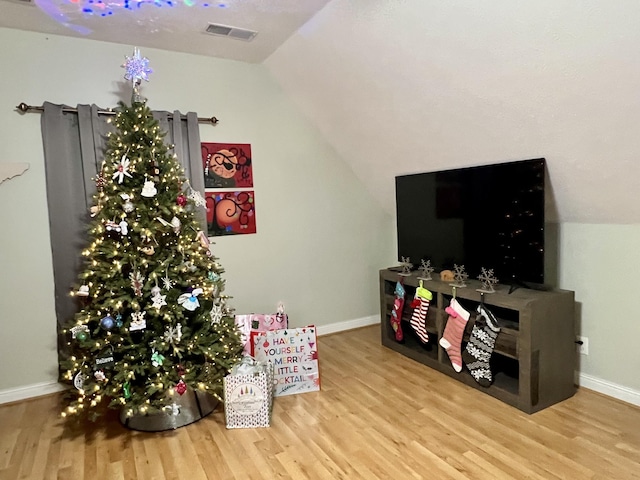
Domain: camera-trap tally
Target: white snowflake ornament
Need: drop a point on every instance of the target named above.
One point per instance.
(173, 334)
(122, 169)
(158, 301)
(216, 313)
(197, 198)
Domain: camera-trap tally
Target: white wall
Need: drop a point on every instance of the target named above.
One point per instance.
(424, 85)
(601, 264)
(321, 238)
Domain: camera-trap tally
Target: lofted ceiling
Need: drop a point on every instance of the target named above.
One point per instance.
(404, 86)
(155, 24)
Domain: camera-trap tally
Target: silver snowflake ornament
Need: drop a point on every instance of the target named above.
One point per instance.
(426, 269)
(406, 266)
(459, 275)
(488, 280)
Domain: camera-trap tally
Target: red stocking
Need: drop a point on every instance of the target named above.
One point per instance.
(396, 313)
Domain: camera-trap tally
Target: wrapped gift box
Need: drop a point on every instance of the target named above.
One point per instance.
(248, 394)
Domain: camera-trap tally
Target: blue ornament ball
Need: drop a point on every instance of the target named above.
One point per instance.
(107, 322)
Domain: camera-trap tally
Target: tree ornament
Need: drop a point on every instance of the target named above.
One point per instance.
(157, 359)
(173, 335)
(181, 387)
(107, 322)
(95, 210)
(197, 198)
(158, 300)
(155, 290)
(176, 224)
(79, 330)
(126, 390)
(137, 281)
(188, 266)
(122, 169)
(204, 241)
(149, 189)
(100, 376)
(189, 300)
(105, 359)
(101, 181)
(138, 321)
(78, 381)
(166, 282)
(83, 291)
(181, 200)
(148, 249)
(213, 276)
(127, 206)
(216, 313)
(118, 320)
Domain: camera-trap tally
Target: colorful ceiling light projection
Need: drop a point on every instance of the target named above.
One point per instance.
(67, 11)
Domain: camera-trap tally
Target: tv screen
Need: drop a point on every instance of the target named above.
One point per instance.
(489, 216)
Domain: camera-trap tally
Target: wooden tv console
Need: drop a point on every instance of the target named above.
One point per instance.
(535, 355)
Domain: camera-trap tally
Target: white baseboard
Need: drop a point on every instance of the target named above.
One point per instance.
(610, 389)
(38, 389)
(587, 381)
(30, 391)
(348, 325)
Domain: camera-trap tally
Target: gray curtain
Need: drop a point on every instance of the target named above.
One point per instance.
(74, 146)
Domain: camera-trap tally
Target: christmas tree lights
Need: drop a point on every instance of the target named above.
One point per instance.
(146, 330)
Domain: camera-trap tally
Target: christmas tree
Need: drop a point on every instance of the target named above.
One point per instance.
(154, 321)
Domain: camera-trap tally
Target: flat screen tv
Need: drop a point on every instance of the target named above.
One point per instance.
(489, 216)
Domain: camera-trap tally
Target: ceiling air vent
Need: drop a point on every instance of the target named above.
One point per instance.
(232, 32)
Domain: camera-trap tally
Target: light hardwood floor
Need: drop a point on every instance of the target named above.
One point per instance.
(378, 416)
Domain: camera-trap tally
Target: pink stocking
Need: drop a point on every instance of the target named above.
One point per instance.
(451, 339)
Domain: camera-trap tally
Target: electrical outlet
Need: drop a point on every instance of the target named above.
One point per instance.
(582, 345)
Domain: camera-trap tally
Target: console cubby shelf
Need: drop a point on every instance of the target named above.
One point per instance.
(534, 358)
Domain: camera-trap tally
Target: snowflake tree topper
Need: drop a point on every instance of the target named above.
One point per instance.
(137, 68)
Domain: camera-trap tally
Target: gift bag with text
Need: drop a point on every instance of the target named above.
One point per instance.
(254, 323)
(248, 394)
(293, 352)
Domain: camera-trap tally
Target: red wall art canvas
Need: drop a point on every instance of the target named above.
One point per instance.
(230, 213)
(227, 165)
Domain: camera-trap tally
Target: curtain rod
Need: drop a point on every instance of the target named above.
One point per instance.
(24, 108)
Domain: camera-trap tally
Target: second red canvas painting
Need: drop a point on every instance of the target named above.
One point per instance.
(230, 213)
